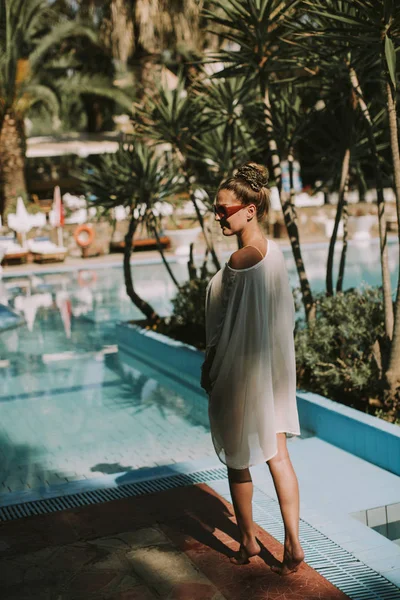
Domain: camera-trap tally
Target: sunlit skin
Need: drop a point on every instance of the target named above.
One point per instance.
(245, 226)
(244, 223)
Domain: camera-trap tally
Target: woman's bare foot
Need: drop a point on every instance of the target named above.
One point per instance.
(247, 549)
(292, 557)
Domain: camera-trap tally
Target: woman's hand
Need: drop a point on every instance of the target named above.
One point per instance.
(205, 370)
(205, 378)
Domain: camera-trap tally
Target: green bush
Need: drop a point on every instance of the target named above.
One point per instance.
(338, 355)
(188, 316)
(188, 304)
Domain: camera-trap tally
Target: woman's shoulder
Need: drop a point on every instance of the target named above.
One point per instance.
(247, 257)
(244, 258)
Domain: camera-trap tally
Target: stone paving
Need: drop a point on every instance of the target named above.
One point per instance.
(172, 545)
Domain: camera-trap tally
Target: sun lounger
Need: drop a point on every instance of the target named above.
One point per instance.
(43, 250)
(141, 244)
(12, 252)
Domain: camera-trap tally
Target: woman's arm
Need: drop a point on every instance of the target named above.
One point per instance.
(205, 369)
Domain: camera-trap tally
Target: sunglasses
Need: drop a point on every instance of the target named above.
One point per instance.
(226, 211)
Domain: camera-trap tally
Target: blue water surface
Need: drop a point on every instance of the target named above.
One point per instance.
(72, 407)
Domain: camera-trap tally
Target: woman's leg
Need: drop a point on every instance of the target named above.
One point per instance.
(287, 489)
(241, 487)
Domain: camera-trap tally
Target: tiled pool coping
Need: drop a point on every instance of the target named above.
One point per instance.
(368, 437)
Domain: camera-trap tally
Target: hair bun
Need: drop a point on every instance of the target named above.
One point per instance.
(254, 174)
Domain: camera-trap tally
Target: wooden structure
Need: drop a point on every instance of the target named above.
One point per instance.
(141, 243)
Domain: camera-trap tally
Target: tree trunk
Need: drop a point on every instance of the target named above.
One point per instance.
(288, 215)
(343, 182)
(291, 183)
(393, 372)
(12, 162)
(209, 245)
(142, 305)
(386, 284)
(345, 220)
(121, 30)
(161, 251)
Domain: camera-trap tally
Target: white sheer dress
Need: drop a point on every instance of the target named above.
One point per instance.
(250, 318)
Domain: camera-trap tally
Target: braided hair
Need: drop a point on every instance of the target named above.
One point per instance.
(249, 184)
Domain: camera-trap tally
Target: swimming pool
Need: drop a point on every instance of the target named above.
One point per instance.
(71, 408)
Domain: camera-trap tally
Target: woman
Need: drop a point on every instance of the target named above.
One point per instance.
(249, 371)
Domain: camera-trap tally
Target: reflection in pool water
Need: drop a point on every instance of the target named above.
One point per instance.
(73, 407)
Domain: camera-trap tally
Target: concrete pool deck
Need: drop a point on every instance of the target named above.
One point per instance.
(356, 559)
(115, 259)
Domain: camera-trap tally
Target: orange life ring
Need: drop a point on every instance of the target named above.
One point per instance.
(82, 280)
(88, 238)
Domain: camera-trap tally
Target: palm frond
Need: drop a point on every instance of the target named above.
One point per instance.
(96, 85)
(37, 94)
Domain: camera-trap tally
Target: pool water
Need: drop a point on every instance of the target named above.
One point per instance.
(70, 407)
(362, 264)
(73, 407)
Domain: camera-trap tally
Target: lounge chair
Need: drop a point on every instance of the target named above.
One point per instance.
(117, 244)
(12, 252)
(43, 250)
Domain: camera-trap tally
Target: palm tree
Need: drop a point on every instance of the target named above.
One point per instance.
(141, 34)
(135, 177)
(367, 34)
(253, 31)
(30, 32)
(231, 138)
(315, 53)
(174, 117)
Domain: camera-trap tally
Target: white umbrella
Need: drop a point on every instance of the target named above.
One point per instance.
(163, 208)
(64, 306)
(78, 217)
(120, 213)
(189, 209)
(74, 202)
(30, 304)
(20, 221)
(38, 220)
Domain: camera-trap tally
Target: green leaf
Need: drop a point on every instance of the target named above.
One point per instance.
(391, 59)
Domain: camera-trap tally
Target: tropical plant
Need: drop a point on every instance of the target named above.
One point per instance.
(174, 117)
(231, 137)
(254, 33)
(141, 35)
(338, 355)
(315, 54)
(188, 312)
(341, 148)
(135, 177)
(366, 36)
(29, 32)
